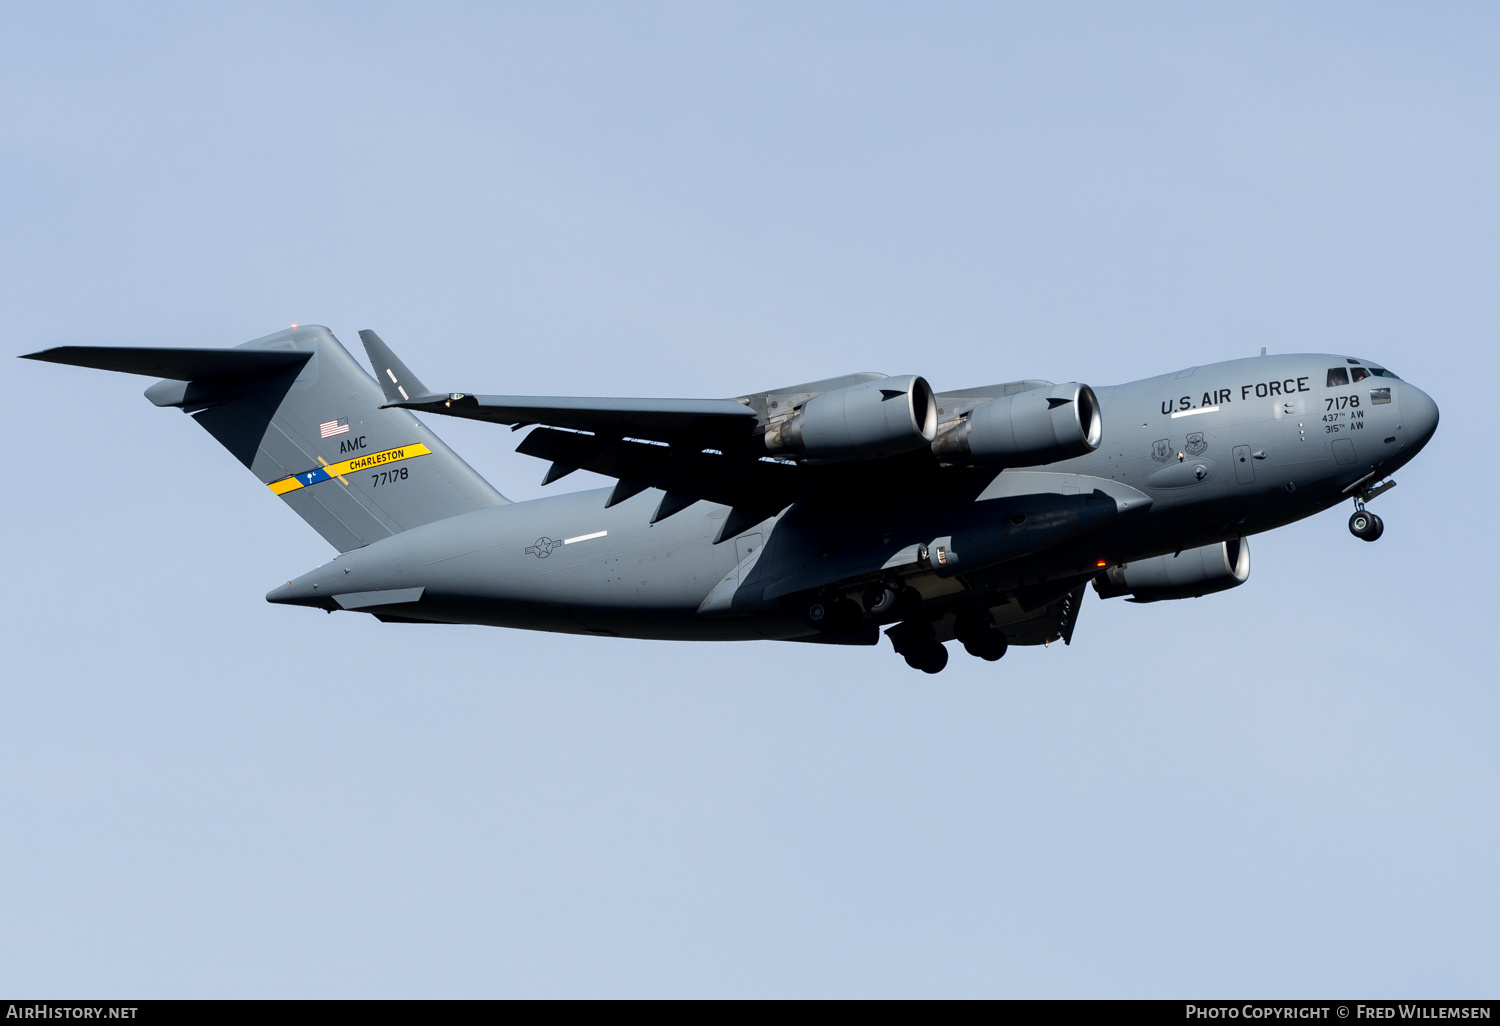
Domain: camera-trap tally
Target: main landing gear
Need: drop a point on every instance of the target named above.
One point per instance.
(913, 635)
(913, 641)
(979, 635)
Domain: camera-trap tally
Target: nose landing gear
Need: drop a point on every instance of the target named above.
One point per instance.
(1364, 525)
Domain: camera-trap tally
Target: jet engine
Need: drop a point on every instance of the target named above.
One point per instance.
(1191, 573)
(1029, 429)
(863, 422)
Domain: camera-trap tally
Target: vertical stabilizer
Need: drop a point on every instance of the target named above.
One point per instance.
(306, 419)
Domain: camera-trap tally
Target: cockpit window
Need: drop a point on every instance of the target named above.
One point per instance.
(1350, 359)
(1337, 376)
(1381, 372)
(1359, 373)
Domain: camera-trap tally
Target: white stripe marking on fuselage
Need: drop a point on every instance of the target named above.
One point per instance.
(1201, 409)
(584, 537)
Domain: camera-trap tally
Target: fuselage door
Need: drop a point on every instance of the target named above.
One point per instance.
(1244, 469)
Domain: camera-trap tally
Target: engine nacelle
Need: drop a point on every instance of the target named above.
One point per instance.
(1189, 574)
(863, 422)
(1029, 429)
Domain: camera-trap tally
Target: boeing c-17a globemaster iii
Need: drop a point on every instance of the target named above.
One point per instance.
(822, 512)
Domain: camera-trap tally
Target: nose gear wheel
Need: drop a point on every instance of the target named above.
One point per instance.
(1366, 526)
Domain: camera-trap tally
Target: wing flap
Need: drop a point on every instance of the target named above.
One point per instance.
(754, 487)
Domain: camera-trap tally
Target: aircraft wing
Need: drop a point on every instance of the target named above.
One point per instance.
(663, 420)
(691, 449)
(674, 421)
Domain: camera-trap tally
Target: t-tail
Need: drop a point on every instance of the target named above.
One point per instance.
(309, 422)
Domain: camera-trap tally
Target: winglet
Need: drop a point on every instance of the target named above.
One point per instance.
(399, 384)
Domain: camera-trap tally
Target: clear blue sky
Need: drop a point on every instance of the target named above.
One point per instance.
(1290, 789)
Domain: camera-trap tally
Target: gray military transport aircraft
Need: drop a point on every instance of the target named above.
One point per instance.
(814, 512)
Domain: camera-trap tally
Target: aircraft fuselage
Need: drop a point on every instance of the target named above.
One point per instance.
(1188, 459)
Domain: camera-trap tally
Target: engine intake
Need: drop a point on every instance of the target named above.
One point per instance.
(1189, 574)
(863, 422)
(1032, 428)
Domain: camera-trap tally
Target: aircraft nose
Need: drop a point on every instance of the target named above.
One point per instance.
(1419, 415)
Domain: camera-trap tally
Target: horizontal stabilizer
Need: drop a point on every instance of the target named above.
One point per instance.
(177, 364)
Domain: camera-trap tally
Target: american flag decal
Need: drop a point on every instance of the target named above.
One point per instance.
(329, 428)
